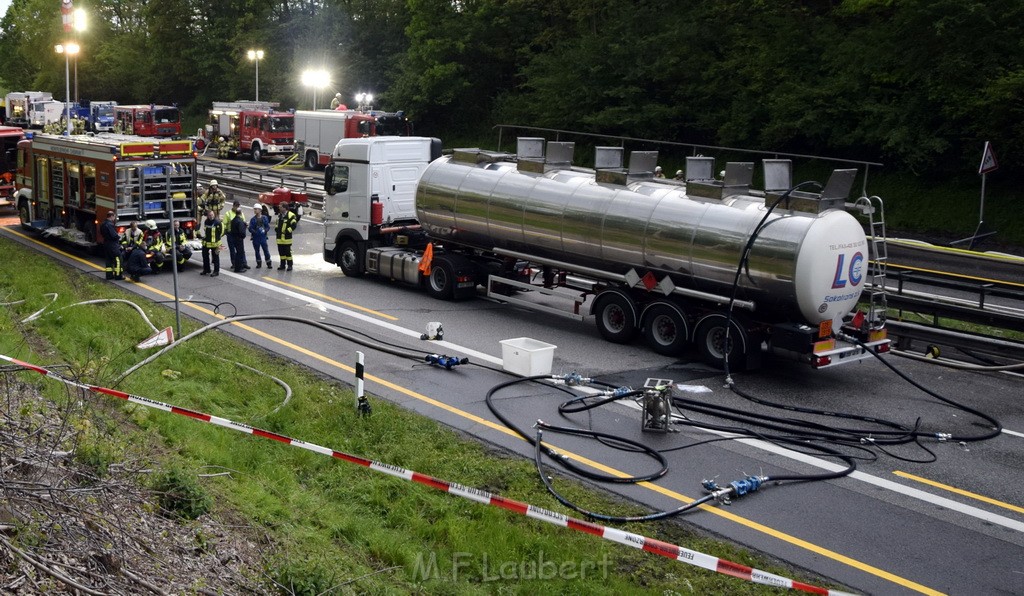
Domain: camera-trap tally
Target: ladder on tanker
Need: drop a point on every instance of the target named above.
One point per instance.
(874, 209)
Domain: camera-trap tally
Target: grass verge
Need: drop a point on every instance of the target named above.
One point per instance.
(333, 525)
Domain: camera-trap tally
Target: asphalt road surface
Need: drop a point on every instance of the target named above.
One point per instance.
(939, 517)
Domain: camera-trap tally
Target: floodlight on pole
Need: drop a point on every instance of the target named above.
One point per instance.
(256, 56)
(317, 79)
(364, 101)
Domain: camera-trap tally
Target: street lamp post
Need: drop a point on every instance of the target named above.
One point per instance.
(256, 55)
(68, 50)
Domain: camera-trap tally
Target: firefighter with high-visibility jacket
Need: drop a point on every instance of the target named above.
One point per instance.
(213, 231)
(180, 240)
(158, 246)
(213, 199)
(286, 222)
(112, 246)
(223, 148)
(132, 237)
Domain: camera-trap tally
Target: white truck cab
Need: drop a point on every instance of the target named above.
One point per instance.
(370, 186)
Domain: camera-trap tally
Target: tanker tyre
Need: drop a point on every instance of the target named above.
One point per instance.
(441, 281)
(665, 328)
(616, 317)
(350, 258)
(257, 153)
(312, 160)
(710, 338)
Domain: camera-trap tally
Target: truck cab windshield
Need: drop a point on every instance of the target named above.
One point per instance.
(280, 124)
(166, 115)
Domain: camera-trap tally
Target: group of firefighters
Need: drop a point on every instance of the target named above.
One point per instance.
(138, 251)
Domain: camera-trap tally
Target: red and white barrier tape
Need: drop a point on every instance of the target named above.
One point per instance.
(650, 545)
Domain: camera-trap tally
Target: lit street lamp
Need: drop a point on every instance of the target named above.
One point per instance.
(79, 25)
(317, 79)
(256, 56)
(68, 49)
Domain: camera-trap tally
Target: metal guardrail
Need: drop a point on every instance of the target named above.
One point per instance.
(915, 337)
(250, 180)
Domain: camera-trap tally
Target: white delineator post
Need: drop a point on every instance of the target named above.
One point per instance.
(359, 377)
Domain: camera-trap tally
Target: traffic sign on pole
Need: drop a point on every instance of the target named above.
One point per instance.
(988, 160)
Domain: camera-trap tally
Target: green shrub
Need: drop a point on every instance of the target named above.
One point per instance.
(179, 493)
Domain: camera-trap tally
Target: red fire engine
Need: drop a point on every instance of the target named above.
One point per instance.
(250, 127)
(148, 121)
(9, 137)
(67, 185)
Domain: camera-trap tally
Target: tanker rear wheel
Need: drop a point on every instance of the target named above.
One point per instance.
(710, 338)
(441, 281)
(665, 328)
(350, 258)
(616, 317)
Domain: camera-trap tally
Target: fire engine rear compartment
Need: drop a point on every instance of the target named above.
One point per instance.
(67, 186)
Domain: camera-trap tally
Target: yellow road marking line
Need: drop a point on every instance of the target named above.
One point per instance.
(793, 540)
(959, 491)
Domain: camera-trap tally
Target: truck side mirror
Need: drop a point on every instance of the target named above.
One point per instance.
(328, 177)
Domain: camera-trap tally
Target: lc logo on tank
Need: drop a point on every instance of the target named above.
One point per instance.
(852, 275)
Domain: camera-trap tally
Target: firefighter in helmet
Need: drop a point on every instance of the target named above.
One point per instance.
(213, 198)
(223, 148)
(336, 101)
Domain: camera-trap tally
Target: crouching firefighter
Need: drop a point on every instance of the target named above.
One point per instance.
(181, 247)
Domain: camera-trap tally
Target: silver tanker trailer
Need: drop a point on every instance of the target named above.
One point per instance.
(642, 255)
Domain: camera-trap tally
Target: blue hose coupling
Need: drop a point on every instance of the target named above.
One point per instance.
(574, 379)
(621, 391)
(446, 361)
(736, 488)
(746, 485)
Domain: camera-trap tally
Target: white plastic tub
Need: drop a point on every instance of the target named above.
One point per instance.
(526, 356)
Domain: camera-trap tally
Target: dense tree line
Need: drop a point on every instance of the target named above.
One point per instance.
(916, 83)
